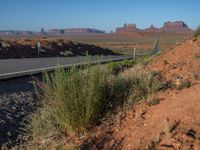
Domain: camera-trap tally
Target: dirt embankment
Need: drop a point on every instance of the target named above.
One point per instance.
(173, 122)
(169, 120)
(28, 48)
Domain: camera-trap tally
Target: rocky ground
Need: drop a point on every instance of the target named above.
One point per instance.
(17, 101)
(28, 48)
(168, 120)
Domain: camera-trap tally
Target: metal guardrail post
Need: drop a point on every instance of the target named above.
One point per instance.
(38, 47)
(134, 54)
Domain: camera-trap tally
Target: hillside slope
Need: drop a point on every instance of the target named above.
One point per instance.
(172, 123)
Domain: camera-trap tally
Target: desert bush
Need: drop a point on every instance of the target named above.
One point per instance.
(154, 101)
(5, 44)
(143, 59)
(116, 67)
(183, 84)
(196, 32)
(71, 100)
(75, 100)
(140, 83)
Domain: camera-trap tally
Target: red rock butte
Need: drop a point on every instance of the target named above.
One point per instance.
(168, 27)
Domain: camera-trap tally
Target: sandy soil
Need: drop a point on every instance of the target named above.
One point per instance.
(172, 124)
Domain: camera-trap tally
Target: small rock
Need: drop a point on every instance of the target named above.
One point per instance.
(170, 143)
(191, 133)
(187, 138)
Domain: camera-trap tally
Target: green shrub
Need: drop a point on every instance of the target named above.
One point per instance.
(154, 101)
(196, 32)
(75, 100)
(143, 59)
(5, 44)
(116, 67)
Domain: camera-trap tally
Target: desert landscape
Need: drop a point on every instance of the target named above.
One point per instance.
(71, 85)
(122, 41)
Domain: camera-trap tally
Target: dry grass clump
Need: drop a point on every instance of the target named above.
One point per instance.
(196, 32)
(74, 101)
(141, 83)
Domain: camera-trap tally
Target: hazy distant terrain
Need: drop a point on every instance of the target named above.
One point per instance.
(123, 40)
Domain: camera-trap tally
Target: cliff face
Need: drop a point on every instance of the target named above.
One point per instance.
(168, 27)
(83, 30)
(73, 31)
(178, 26)
(127, 28)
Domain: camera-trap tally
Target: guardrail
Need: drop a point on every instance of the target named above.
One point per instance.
(49, 69)
(155, 50)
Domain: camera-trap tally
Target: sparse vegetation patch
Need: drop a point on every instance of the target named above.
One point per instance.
(196, 32)
(74, 101)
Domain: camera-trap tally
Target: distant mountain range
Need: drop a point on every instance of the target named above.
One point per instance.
(51, 32)
(168, 27)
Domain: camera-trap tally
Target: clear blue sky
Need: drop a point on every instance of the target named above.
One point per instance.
(100, 14)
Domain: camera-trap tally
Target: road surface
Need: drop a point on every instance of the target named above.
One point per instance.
(10, 68)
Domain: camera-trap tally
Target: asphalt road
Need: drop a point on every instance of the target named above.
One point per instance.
(10, 68)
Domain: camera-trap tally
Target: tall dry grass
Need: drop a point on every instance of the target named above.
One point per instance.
(76, 100)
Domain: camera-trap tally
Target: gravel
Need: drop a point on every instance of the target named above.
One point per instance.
(17, 102)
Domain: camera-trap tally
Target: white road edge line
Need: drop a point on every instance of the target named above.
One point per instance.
(35, 71)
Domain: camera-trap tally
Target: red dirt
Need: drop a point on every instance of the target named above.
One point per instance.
(174, 123)
(180, 60)
(26, 48)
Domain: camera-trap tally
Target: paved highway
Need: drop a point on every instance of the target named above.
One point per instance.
(10, 68)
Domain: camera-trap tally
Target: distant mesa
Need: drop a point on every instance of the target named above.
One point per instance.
(178, 26)
(17, 33)
(52, 32)
(127, 28)
(74, 31)
(131, 29)
(168, 27)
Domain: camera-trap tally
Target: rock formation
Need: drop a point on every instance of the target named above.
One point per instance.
(168, 27)
(74, 31)
(178, 26)
(42, 31)
(151, 29)
(16, 33)
(51, 32)
(127, 28)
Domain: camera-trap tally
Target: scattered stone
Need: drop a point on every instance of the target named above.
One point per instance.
(191, 133)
